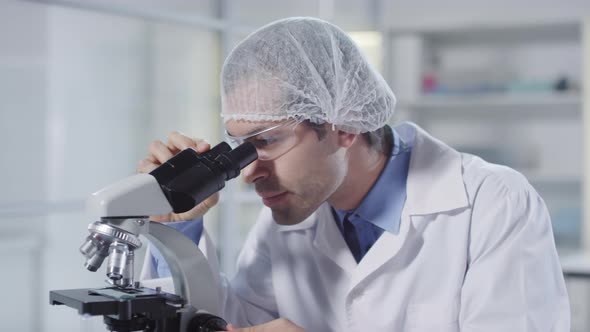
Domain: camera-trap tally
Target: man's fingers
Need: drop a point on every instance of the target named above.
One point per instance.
(230, 327)
(146, 166)
(160, 151)
(203, 146)
(151, 158)
(211, 201)
(178, 141)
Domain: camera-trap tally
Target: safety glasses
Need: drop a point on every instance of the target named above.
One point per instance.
(271, 142)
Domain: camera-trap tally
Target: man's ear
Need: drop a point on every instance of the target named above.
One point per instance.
(345, 139)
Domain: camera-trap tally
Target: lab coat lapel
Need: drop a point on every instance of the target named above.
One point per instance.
(434, 185)
(329, 241)
(387, 246)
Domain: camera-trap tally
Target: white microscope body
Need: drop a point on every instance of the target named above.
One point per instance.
(124, 209)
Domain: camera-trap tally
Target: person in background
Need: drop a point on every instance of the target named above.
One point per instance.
(365, 227)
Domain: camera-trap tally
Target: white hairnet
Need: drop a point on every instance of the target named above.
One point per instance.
(307, 69)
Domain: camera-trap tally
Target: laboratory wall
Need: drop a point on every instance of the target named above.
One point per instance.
(87, 85)
(83, 95)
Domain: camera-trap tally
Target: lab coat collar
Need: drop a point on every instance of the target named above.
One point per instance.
(435, 178)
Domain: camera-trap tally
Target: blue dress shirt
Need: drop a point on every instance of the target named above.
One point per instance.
(380, 210)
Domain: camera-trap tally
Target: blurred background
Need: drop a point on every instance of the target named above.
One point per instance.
(86, 85)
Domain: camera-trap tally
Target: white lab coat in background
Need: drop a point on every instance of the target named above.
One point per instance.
(475, 252)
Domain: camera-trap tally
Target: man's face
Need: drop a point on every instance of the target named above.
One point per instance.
(294, 184)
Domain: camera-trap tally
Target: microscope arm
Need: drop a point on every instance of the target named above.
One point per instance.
(191, 273)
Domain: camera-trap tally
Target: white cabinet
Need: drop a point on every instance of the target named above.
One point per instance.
(510, 94)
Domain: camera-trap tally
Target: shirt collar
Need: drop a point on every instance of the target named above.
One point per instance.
(383, 204)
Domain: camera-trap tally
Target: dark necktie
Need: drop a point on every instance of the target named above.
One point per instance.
(351, 238)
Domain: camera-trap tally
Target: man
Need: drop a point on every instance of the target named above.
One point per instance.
(367, 228)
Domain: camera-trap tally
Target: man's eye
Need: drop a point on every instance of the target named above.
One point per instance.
(263, 142)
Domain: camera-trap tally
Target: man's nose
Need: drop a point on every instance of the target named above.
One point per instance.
(255, 171)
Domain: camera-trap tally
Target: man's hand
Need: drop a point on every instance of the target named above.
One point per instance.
(277, 325)
(159, 153)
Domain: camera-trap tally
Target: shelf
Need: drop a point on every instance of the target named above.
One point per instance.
(497, 32)
(505, 101)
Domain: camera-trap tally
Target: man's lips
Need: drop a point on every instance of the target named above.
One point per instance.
(272, 198)
(269, 194)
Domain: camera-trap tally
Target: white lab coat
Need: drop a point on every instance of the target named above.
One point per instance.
(475, 252)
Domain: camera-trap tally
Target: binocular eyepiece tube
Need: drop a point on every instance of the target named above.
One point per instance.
(189, 177)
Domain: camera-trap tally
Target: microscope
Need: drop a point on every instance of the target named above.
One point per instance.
(124, 209)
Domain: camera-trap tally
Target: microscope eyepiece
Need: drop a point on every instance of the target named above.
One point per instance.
(189, 178)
